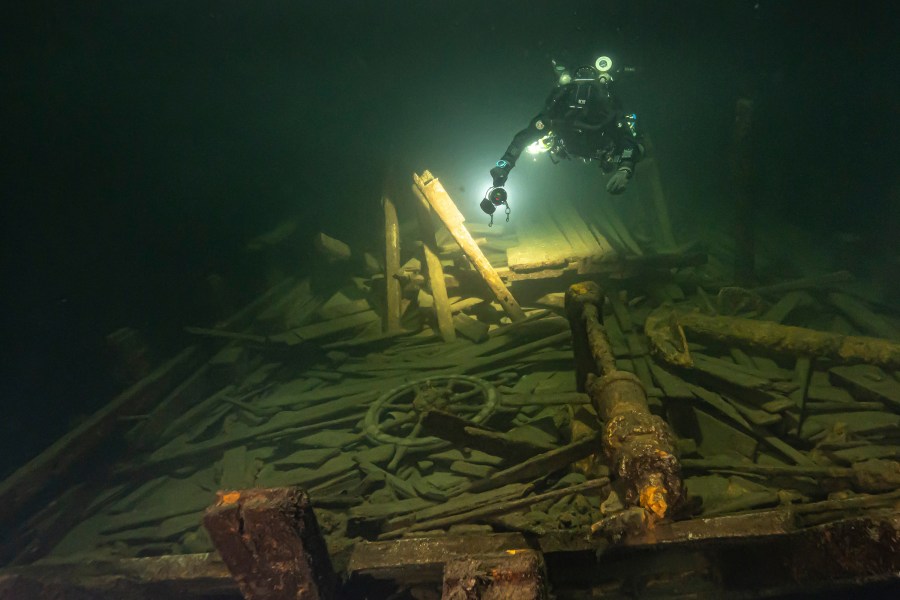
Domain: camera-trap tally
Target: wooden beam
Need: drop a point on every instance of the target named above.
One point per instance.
(518, 574)
(271, 543)
(763, 336)
(435, 270)
(78, 445)
(391, 265)
(649, 171)
(435, 194)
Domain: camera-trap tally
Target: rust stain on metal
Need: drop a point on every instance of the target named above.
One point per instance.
(639, 445)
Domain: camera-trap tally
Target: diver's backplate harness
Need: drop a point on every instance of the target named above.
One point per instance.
(591, 89)
(575, 100)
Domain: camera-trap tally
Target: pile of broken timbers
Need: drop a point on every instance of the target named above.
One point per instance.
(426, 399)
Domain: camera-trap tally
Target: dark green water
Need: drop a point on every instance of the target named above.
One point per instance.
(145, 143)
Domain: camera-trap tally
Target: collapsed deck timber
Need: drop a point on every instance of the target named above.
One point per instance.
(435, 413)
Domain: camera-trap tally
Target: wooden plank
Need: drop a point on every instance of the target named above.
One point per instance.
(443, 205)
(500, 508)
(471, 435)
(434, 269)
(76, 446)
(414, 560)
(343, 307)
(391, 265)
(271, 542)
(325, 328)
(863, 317)
(541, 243)
(575, 231)
(520, 574)
(470, 328)
(536, 466)
(610, 215)
(867, 382)
(786, 304)
(649, 176)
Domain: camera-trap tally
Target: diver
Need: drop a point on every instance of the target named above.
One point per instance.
(582, 118)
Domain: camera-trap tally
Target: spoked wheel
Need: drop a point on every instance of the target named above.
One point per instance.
(401, 409)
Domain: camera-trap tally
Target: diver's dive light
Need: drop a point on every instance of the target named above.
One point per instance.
(495, 196)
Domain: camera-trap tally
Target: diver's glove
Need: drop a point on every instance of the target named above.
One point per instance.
(500, 172)
(619, 180)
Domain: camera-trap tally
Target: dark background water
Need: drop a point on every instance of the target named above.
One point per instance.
(146, 142)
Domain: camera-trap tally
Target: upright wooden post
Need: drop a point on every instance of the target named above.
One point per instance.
(432, 190)
(435, 271)
(270, 541)
(649, 170)
(391, 265)
(743, 176)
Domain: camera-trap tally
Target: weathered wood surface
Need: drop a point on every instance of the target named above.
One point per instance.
(868, 382)
(520, 574)
(467, 434)
(766, 337)
(422, 559)
(649, 183)
(391, 265)
(498, 508)
(826, 281)
(271, 543)
(552, 235)
(172, 576)
(462, 502)
(541, 464)
(745, 406)
(434, 268)
(333, 249)
(863, 317)
(443, 205)
(78, 445)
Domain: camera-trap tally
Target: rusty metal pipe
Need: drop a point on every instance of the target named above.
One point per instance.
(639, 445)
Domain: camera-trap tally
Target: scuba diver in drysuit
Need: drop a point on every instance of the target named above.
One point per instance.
(582, 118)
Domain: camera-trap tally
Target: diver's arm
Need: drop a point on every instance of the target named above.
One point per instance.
(538, 128)
(535, 131)
(630, 143)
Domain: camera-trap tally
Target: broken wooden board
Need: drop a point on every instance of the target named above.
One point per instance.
(469, 328)
(520, 574)
(540, 465)
(863, 317)
(392, 265)
(868, 382)
(417, 560)
(551, 235)
(271, 542)
(74, 447)
(325, 328)
(468, 434)
(430, 190)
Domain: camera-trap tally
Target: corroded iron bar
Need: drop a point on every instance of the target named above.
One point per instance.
(763, 336)
(638, 444)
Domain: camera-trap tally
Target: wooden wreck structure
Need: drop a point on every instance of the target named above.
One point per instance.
(505, 412)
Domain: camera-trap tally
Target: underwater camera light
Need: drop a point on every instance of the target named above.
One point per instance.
(603, 64)
(494, 197)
